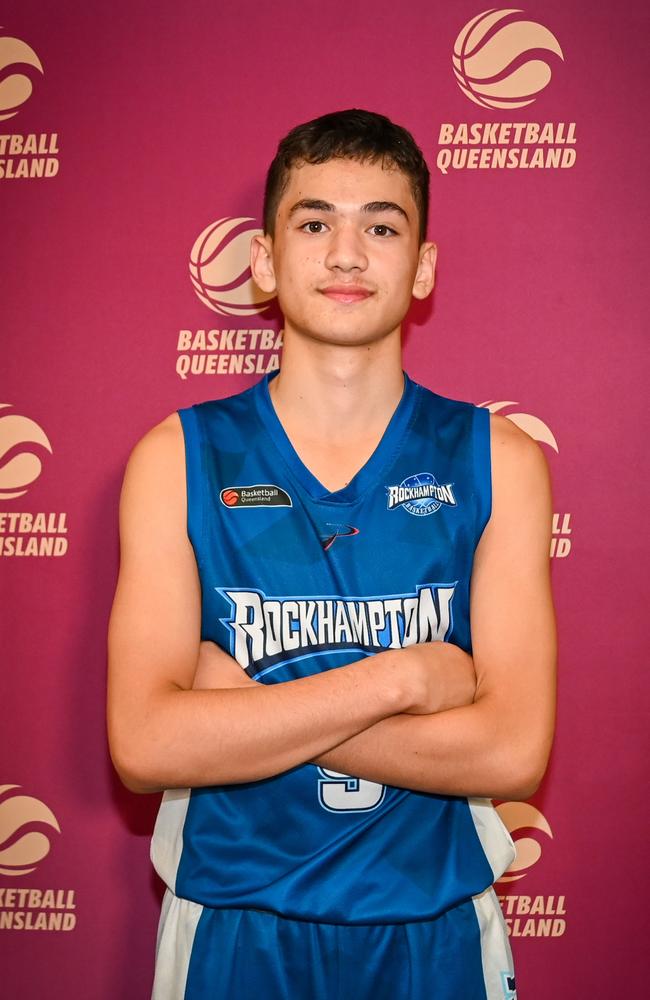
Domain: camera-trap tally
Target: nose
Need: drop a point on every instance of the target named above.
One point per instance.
(346, 251)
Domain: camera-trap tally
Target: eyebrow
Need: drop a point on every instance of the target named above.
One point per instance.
(371, 207)
(384, 206)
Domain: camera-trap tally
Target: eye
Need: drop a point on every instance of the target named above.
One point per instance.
(313, 226)
(381, 229)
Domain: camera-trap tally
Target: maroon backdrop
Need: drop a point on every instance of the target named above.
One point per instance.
(129, 135)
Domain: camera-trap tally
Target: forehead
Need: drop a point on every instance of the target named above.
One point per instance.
(348, 184)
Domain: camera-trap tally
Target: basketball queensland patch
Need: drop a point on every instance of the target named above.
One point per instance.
(421, 494)
(259, 495)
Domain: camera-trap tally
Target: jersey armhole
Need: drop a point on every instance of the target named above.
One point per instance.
(194, 479)
(482, 454)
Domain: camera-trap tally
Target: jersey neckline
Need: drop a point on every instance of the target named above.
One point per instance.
(369, 473)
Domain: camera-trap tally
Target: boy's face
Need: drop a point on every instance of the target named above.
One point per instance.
(346, 258)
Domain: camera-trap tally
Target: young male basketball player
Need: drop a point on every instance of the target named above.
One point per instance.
(329, 534)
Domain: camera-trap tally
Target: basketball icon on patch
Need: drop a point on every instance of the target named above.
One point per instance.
(421, 494)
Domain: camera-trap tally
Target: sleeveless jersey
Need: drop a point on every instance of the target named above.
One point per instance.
(297, 580)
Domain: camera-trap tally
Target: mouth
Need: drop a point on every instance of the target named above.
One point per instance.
(348, 294)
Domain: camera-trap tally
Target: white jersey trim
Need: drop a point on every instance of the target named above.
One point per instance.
(167, 840)
(498, 846)
(179, 919)
(496, 956)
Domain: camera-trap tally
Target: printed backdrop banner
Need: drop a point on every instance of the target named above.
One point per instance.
(134, 140)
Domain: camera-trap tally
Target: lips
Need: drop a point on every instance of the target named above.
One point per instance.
(346, 293)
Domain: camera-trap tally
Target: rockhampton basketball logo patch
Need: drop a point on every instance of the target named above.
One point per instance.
(259, 495)
(421, 495)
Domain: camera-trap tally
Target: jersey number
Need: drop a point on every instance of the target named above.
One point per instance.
(343, 793)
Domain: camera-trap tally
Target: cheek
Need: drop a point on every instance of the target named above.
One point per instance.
(300, 274)
(399, 279)
(291, 294)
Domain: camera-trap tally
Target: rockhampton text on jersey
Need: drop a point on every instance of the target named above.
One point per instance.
(265, 629)
(506, 145)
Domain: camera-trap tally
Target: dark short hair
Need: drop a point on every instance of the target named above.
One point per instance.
(352, 135)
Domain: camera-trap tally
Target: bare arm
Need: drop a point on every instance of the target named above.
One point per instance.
(162, 733)
(497, 747)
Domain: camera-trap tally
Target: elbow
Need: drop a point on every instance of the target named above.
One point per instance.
(134, 778)
(520, 788)
(521, 750)
(136, 782)
(531, 779)
(520, 774)
(131, 767)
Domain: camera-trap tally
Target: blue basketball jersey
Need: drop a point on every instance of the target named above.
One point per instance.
(297, 580)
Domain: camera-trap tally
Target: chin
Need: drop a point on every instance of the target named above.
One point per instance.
(346, 337)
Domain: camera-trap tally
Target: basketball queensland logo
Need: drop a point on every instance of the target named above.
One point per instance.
(528, 915)
(24, 447)
(26, 826)
(539, 431)
(19, 65)
(221, 277)
(258, 495)
(32, 155)
(28, 830)
(497, 59)
(21, 440)
(220, 268)
(503, 61)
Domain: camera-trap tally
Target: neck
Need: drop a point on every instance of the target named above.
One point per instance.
(337, 391)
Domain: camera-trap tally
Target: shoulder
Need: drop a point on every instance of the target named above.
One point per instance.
(520, 522)
(155, 471)
(160, 446)
(516, 457)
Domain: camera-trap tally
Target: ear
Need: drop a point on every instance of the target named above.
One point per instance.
(425, 275)
(262, 263)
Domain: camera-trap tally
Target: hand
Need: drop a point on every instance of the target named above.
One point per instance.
(444, 677)
(217, 669)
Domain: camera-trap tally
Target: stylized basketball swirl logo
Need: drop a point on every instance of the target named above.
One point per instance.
(23, 840)
(19, 466)
(331, 532)
(220, 268)
(500, 59)
(15, 85)
(518, 816)
(533, 426)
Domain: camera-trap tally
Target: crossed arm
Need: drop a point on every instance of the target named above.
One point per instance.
(425, 717)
